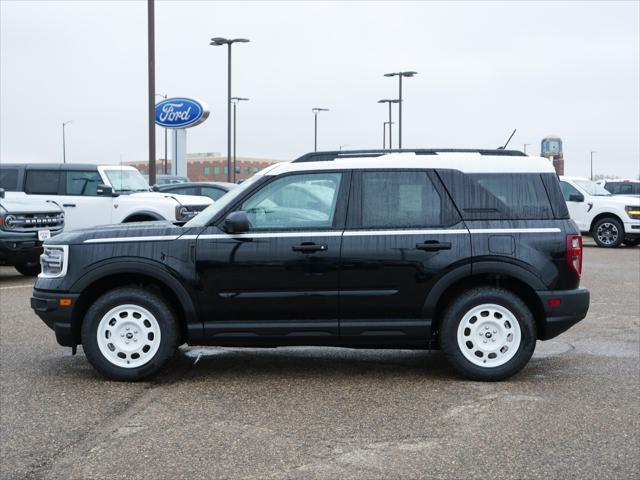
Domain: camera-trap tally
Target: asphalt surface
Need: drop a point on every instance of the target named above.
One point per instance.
(573, 412)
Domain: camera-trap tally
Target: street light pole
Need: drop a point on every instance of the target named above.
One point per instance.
(235, 101)
(64, 142)
(164, 167)
(389, 101)
(384, 134)
(218, 41)
(400, 75)
(315, 111)
(151, 94)
(592, 152)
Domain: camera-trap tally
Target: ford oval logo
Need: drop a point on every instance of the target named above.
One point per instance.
(180, 113)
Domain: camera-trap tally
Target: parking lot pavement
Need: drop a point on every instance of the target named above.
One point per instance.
(330, 413)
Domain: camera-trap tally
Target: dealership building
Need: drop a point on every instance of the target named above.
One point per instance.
(211, 166)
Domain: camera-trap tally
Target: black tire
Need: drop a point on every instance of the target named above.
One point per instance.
(608, 232)
(632, 243)
(29, 269)
(466, 302)
(165, 320)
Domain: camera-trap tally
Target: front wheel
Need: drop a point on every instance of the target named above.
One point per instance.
(488, 334)
(29, 269)
(608, 233)
(129, 333)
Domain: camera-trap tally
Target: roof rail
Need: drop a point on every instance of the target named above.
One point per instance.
(332, 155)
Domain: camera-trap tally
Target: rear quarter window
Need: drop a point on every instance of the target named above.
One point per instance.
(42, 182)
(499, 196)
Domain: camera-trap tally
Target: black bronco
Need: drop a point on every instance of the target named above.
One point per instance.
(471, 252)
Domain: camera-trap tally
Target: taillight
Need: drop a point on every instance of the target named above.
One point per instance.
(574, 253)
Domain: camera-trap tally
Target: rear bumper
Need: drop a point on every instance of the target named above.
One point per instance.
(58, 318)
(562, 309)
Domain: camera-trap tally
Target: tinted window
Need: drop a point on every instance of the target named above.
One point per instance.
(213, 193)
(399, 199)
(295, 202)
(42, 182)
(568, 190)
(623, 188)
(82, 183)
(9, 179)
(497, 196)
(182, 190)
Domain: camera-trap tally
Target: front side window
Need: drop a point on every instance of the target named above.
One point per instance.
(9, 179)
(212, 193)
(82, 183)
(302, 201)
(43, 182)
(182, 191)
(568, 190)
(399, 200)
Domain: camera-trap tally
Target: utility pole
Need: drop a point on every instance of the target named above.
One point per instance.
(64, 143)
(151, 53)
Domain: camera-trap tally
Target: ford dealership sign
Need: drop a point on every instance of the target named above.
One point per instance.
(180, 113)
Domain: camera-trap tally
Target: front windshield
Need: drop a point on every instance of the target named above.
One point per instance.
(205, 216)
(125, 180)
(592, 188)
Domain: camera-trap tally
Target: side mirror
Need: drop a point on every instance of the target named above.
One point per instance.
(1, 192)
(236, 222)
(576, 197)
(155, 188)
(104, 191)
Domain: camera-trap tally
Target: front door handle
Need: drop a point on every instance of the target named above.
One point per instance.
(433, 245)
(308, 247)
(68, 204)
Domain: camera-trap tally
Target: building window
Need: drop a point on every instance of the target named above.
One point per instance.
(255, 169)
(216, 170)
(226, 169)
(206, 171)
(247, 170)
(237, 168)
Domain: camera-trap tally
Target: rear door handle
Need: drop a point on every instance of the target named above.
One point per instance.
(309, 248)
(68, 204)
(433, 245)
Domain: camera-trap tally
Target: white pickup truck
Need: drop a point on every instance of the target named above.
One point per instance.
(610, 219)
(96, 195)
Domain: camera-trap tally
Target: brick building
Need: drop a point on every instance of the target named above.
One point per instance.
(212, 166)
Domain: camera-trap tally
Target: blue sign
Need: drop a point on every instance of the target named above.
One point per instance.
(180, 113)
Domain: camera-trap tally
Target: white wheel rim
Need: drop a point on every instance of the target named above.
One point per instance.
(128, 336)
(489, 335)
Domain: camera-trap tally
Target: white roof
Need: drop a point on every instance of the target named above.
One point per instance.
(465, 162)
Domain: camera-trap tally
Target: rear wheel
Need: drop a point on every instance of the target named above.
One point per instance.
(608, 233)
(129, 334)
(29, 269)
(488, 334)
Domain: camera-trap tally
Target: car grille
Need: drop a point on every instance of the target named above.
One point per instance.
(31, 222)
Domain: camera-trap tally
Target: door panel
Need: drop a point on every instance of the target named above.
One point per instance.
(278, 282)
(402, 235)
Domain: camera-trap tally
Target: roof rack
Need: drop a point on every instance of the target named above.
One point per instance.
(332, 155)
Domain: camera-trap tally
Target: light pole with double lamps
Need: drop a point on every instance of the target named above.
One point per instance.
(389, 101)
(315, 111)
(235, 101)
(218, 41)
(400, 75)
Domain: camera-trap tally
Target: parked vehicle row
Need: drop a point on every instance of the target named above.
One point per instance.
(611, 219)
(474, 254)
(93, 195)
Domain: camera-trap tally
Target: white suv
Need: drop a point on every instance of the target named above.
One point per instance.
(96, 195)
(610, 219)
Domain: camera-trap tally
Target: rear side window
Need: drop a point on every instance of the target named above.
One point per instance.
(9, 179)
(42, 182)
(623, 188)
(401, 199)
(498, 196)
(213, 193)
(83, 183)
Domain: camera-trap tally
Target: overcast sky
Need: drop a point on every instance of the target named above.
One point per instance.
(568, 69)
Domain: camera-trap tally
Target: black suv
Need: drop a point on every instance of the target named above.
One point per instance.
(473, 253)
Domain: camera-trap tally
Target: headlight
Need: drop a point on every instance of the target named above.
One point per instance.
(632, 211)
(54, 261)
(184, 213)
(9, 222)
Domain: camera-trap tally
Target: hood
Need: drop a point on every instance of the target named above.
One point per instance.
(17, 205)
(191, 200)
(120, 230)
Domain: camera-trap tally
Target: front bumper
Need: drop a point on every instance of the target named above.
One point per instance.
(15, 251)
(60, 319)
(632, 230)
(562, 309)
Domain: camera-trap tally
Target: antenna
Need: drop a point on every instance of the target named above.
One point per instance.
(505, 145)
